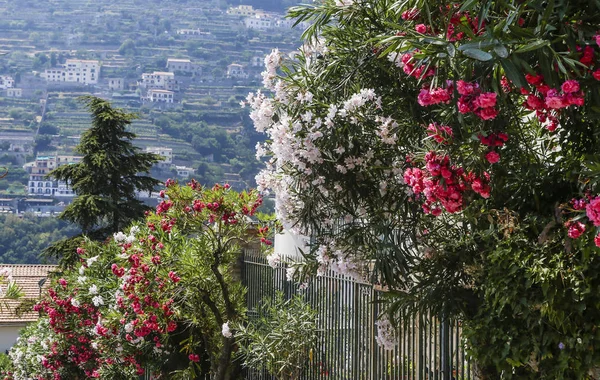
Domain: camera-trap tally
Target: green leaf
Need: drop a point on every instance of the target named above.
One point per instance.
(501, 51)
(477, 54)
(451, 50)
(533, 46)
(468, 5)
(512, 73)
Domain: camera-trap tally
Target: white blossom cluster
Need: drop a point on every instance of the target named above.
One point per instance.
(226, 331)
(386, 334)
(28, 352)
(309, 141)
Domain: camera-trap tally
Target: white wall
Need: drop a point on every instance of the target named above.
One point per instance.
(287, 244)
(8, 336)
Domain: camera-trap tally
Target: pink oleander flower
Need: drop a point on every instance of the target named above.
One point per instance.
(424, 98)
(579, 204)
(421, 28)
(485, 100)
(570, 86)
(435, 96)
(534, 102)
(534, 79)
(465, 88)
(588, 56)
(596, 74)
(576, 229)
(488, 113)
(481, 187)
(574, 99)
(440, 133)
(597, 240)
(555, 102)
(592, 211)
(492, 157)
(410, 14)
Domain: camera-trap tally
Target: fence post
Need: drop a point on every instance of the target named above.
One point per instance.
(445, 348)
(356, 323)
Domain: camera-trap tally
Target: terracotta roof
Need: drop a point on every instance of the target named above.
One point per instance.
(28, 278)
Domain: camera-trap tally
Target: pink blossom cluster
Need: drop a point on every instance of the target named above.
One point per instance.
(410, 14)
(459, 21)
(472, 100)
(547, 102)
(443, 184)
(428, 97)
(409, 67)
(493, 141)
(440, 133)
(591, 205)
(74, 325)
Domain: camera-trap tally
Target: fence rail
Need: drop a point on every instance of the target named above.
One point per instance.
(428, 348)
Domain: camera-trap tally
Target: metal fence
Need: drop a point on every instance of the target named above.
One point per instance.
(427, 349)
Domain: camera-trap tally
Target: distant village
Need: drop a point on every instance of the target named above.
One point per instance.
(182, 83)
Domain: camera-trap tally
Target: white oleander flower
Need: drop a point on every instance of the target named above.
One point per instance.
(226, 331)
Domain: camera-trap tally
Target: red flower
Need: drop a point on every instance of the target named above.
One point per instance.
(194, 357)
(173, 276)
(570, 86)
(576, 229)
(492, 157)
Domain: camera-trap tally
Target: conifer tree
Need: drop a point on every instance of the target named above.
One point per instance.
(107, 179)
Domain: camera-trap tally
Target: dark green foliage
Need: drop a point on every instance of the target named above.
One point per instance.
(108, 178)
(23, 238)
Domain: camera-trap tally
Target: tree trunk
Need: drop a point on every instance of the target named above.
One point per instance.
(486, 372)
(222, 372)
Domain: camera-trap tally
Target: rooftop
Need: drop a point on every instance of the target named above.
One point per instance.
(28, 277)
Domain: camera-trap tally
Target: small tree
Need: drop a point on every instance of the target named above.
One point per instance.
(107, 179)
(281, 339)
(157, 297)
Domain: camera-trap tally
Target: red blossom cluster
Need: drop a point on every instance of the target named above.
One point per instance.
(547, 102)
(591, 205)
(440, 133)
(75, 326)
(493, 140)
(411, 14)
(472, 100)
(411, 69)
(428, 97)
(460, 20)
(444, 184)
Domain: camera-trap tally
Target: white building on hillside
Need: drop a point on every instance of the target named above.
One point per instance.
(259, 22)
(195, 34)
(166, 153)
(162, 96)
(183, 65)
(39, 184)
(236, 70)
(243, 10)
(75, 71)
(184, 171)
(6, 82)
(159, 80)
(14, 92)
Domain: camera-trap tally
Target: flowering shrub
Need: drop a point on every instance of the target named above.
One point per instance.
(153, 298)
(435, 147)
(281, 339)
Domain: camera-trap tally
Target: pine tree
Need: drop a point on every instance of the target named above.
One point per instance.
(107, 179)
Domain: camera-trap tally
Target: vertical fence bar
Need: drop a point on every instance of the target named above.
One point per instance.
(428, 347)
